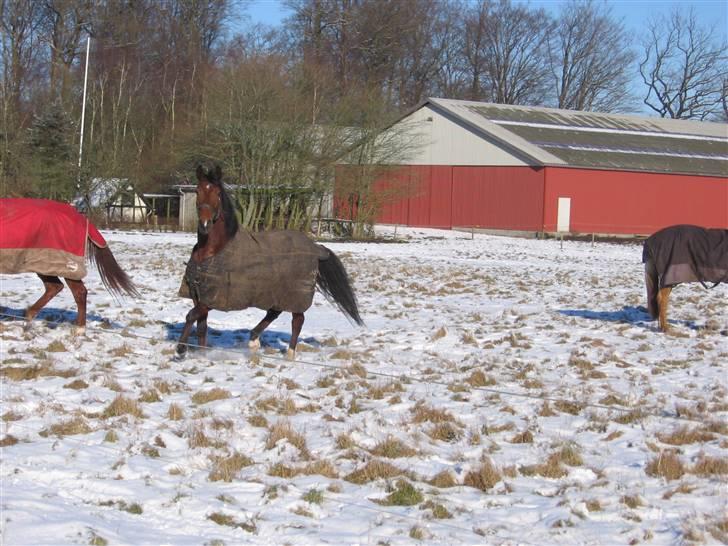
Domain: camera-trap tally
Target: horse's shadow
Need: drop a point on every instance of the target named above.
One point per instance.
(53, 317)
(637, 316)
(236, 339)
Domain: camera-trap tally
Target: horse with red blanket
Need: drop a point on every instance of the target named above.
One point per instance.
(679, 254)
(53, 240)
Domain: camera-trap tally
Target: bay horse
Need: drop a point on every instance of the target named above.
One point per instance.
(679, 254)
(54, 240)
(233, 269)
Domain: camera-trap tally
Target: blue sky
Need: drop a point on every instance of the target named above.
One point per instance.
(634, 12)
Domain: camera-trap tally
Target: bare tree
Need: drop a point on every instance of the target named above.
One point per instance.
(684, 68)
(505, 52)
(473, 51)
(63, 23)
(589, 59)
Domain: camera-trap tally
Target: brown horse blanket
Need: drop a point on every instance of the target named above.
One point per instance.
(46, 237)
(688, 254)
(267, 270)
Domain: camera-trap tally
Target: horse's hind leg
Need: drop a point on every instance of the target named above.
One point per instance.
(663, 297)
(296, 325)
(53, 286)
(78, 289)
(270, 316)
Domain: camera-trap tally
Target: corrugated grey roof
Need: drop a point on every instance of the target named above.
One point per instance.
(595, 140)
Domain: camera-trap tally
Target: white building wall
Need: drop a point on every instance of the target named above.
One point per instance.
(444, 142)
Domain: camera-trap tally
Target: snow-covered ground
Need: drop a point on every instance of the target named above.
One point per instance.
(503, 391)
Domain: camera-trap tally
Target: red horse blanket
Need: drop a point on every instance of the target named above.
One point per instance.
(46, 237)
(688, 254)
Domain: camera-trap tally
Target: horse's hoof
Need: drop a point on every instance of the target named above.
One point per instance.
(254, 344)
(79, 331)
(180, 354)
(291, 354)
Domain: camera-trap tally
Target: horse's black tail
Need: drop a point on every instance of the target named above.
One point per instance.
(114, 278)
(334, 284)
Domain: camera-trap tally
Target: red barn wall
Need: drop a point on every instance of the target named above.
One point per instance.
(508, 198)
(620, 202)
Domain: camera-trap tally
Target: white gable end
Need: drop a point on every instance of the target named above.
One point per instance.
(444, 141)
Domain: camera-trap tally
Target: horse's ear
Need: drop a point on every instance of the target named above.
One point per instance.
(218, 173)
(200, 172)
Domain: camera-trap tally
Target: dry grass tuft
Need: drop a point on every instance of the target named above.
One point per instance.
(445, 432)
(710, 466)
(443, 479)
(203, 397)
(632, 501)
(284, 430)
(404, 494)
(226, 468)
(392, 448)
(8, 440)
(258, 420)
(525, 437)
(150, 396)
(374, 470)
(424, 413)
(122, 406)
(552, 468)
(484, 477)
(27, 373)
(566, 406)
(320, 468)
(12, 416)
(479, 379)
(666, 465)
(569, 455)
(175, 412)
(198, 438)
(77, 384)
(686, 435)
(70, 427)
(345, 441)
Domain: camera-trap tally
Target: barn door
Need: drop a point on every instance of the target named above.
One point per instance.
(563, 215)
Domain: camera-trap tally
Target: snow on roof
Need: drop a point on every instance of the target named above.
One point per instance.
(550, 136)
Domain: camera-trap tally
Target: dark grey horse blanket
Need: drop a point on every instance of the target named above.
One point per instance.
(267, 270)
(688, 254)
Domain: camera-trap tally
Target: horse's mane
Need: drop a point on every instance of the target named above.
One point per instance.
(228, 208)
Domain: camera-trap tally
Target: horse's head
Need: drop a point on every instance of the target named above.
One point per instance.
(213, 202)
(209, 197)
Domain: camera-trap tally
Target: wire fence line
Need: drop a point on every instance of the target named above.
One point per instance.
(397, 377)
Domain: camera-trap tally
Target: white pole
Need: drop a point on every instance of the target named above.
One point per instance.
(83, 108)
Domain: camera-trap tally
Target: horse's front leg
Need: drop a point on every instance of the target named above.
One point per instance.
(296, 325)
(195, 313)
(663, 297)
(78, 289)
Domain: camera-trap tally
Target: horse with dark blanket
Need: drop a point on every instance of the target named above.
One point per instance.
(679, 254)
(267, 270)
(278, 271)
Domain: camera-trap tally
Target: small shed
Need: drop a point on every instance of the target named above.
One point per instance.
(118, 198)
(519, 168)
